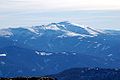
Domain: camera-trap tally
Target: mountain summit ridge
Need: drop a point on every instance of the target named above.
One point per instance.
(64, 26)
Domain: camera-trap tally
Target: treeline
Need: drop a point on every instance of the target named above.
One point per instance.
(29, 78)
(78, 74)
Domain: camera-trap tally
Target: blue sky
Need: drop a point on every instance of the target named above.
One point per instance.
(93, 13)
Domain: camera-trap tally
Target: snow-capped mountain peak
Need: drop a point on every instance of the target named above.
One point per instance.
(66, 28)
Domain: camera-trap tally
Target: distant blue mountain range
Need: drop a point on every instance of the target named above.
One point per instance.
(48, 49)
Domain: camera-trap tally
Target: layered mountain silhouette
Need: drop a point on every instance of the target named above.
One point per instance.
(49, 49)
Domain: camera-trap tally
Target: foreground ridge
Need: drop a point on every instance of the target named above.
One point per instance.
(29, 78)
(77, 74)
(88, 74)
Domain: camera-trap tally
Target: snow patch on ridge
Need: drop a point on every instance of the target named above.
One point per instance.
(72, 34)
(5, 33)
(32, 30)
(94, 31)
(52, 27)
(43, 53)
(3, 55)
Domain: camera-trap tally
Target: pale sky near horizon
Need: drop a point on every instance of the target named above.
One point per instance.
(33, 12)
